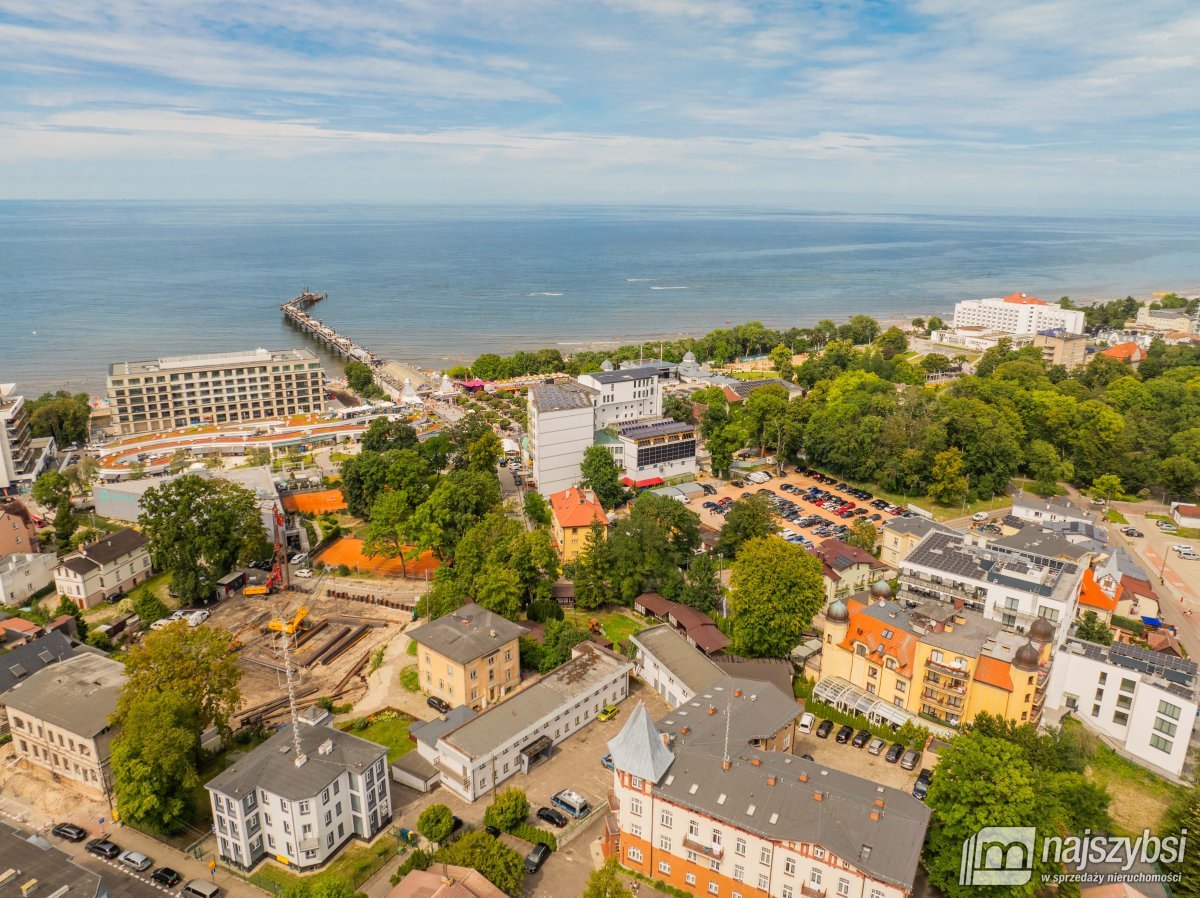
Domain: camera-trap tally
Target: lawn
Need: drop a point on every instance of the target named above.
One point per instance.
(409, 678)
(389, 729)
(355, 865)
(617, 626)
(1115, 516)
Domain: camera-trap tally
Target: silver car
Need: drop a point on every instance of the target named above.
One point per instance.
(135, 860)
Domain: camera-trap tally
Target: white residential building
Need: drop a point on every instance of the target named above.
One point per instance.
(1143, 702)
(651, 452)
(561, 428)
(671, 666)
(218, 388)
(1164, 321)
(1011, 586)
(509, 738)
(22, 458)
(1055, 510)
(301, 806)
(629, 394)
(113, 564)
(1017, 314)
(21, 575)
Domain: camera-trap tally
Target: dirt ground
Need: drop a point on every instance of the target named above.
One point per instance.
(348, 551)
(29, 795)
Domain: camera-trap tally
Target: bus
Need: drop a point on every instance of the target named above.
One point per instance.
(571, 802)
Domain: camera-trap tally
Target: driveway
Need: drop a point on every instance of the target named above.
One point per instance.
(859, 762)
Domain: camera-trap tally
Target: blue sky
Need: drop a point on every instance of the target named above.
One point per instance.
(863, 104)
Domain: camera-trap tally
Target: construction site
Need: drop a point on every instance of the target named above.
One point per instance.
(330, 637)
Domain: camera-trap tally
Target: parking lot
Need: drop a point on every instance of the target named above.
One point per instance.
(859, 761)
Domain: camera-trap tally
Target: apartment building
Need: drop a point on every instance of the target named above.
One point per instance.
(1011, 587)
(672, 666)
(1062, 348)
(17, 530)
(1054, 510)
(469, 656)
(113, 564)
(22, 458)
(1162, 321)
(938, 663)
(561, 428)
(1017, 314)
(651, 452)
(301, 796)
(218, 388)
(702, 804)
(59, 719)
(624, 395)
(24, 661)
(846, 569)
(573, 512)
(24, 573)
(1143, 702)
(901, 535)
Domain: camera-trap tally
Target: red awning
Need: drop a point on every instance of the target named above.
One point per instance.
(641, 484)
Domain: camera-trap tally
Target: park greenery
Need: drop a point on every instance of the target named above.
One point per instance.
(61, 415)
(361, 379)
(775, 591)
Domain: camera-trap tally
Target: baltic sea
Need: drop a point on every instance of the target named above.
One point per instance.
(87, 284)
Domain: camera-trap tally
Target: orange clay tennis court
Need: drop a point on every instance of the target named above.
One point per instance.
(348, 551)
(315, 503)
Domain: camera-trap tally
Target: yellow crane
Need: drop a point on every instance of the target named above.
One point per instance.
(289, 626)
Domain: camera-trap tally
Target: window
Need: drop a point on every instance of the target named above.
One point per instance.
(1127, 685)
(634, 854)
(814, 876)
(714, 864)
(635, 782)
(1165, 727)
(664, 868)
(1166, 709)
(635, 807)
(328, 818)
(1120, 718)
(876, 893)
(843, 886)
(690, 879)
(818, 852)
(1125, 701)
(304, 807)
(664, 842)
(665, 818)
(713, 888)
(1103, 678)
(739, 873)
(789, 866)
(635, 830)
(935, 656)
(764, 856)
(787, 892)
(739, 847)
(763, 882)
(694, 828)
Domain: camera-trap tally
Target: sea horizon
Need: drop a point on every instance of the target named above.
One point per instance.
(89, 283)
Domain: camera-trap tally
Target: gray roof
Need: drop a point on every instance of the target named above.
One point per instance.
(1050, 545)
(779, 672)
(660, 427)
(26, 660)
(53, 869)
(1084, 529)
(970, 637)
(915, 526)
(105, 550)
(77, 694)
(466, 634)
(501, 724)
(687, 664)
(760, 710)
(1027, 571)
(638, 749)
(1055, 504)
(429, 731)
(560, 397)
(745, 387)
(624, 375)
(272, 766)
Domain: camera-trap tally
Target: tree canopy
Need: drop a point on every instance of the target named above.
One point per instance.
(600, 474)
(748, 519)
(776, 590)
(61, 415)
(154, 760)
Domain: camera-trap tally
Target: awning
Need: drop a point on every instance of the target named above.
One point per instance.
(1151, 622)
(641, 484)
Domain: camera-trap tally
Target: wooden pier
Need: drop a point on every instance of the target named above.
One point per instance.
(295, 310)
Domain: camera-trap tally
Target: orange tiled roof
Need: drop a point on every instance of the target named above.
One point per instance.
(1137, 586)
(574, 507)
(1123, 351)
(19, 625)
(900, 645)
(1093, 596)
(993, 672)
(1023, 300)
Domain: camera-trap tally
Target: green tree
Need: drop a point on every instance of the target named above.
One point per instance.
(85, 535)
(702, 585)
(180, 459)
(361, 379)
(1106, 487)
(259, 456)
(776, 591)
(1185, 816)
(1046, 467)
(466, 431)
(1179, 476)
(981, 781)
(536, 509)
(781, 361)
(66, 606)
(154, 761)
(485, 452)
(193, 660)
(64, 524)
(721, 446)
(599, 473)
(863, 534)
(560, 638)
(859, 330)
(62, 415)
(384, 535)
(591, 574)
(1093, 629)
(499, 591)
(607, 882)
(764, 414)
(501, 866)
(148, 607)
(748, 519)
(948, 483)
(678, 407)
(50, 489)
(199, 529)
(459, 500)
(384, 435)
(892, 342)
(934, 363)
(435, 823)
(508, 809)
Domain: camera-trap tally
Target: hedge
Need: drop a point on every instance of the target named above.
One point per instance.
(531, 833)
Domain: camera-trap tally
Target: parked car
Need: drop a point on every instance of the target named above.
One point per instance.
(536, 857)
(875, 746)
(552, 816)
(304, 573)
(608, 712)
(894, 753)
(807, 757)
(709, 489)
(440, 705)
(824, 729)
(979, 517)
(70, 832)
(166, 877)
(845, 734)
(135, 860)
(861, 738)
(910, 759)
(103, 848)
(738, 483)
(1132, 532)
(921, 786)
(806, 722)
(196, 618)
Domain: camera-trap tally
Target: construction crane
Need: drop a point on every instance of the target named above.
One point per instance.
(289, 626)
(278, 576)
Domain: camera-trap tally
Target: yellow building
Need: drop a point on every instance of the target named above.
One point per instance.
(468, 657)
(901, 535)
(573, 511)
(935, 661)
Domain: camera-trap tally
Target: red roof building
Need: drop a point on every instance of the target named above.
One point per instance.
(1022, 300)
(1125, 352)
(573, 511)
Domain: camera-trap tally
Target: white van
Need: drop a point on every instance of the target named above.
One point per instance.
(198, 888)
(680, 497)
(806, 722)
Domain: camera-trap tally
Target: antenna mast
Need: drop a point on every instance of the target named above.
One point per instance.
(725, 762)
(290, 675)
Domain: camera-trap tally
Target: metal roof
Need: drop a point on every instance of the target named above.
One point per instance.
(624, 375)
(687, 664)
(560, 397)
(639, 748)
(662, 427)
(466, 634)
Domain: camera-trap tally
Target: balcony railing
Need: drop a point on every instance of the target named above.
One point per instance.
(946, 683)
(812, 891)
(950, 704)
(712, 849)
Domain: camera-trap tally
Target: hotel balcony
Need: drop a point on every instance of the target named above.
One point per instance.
(944, 682)
(811, 890)
(699, 846)
(954, 705)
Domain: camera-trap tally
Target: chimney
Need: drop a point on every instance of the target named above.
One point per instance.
(818, 796)
(878, 802)
(876, 816)
(771, 780)
(711, 710)
(804, 777)
(683, 731)
(756, 762)
(492, 632)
